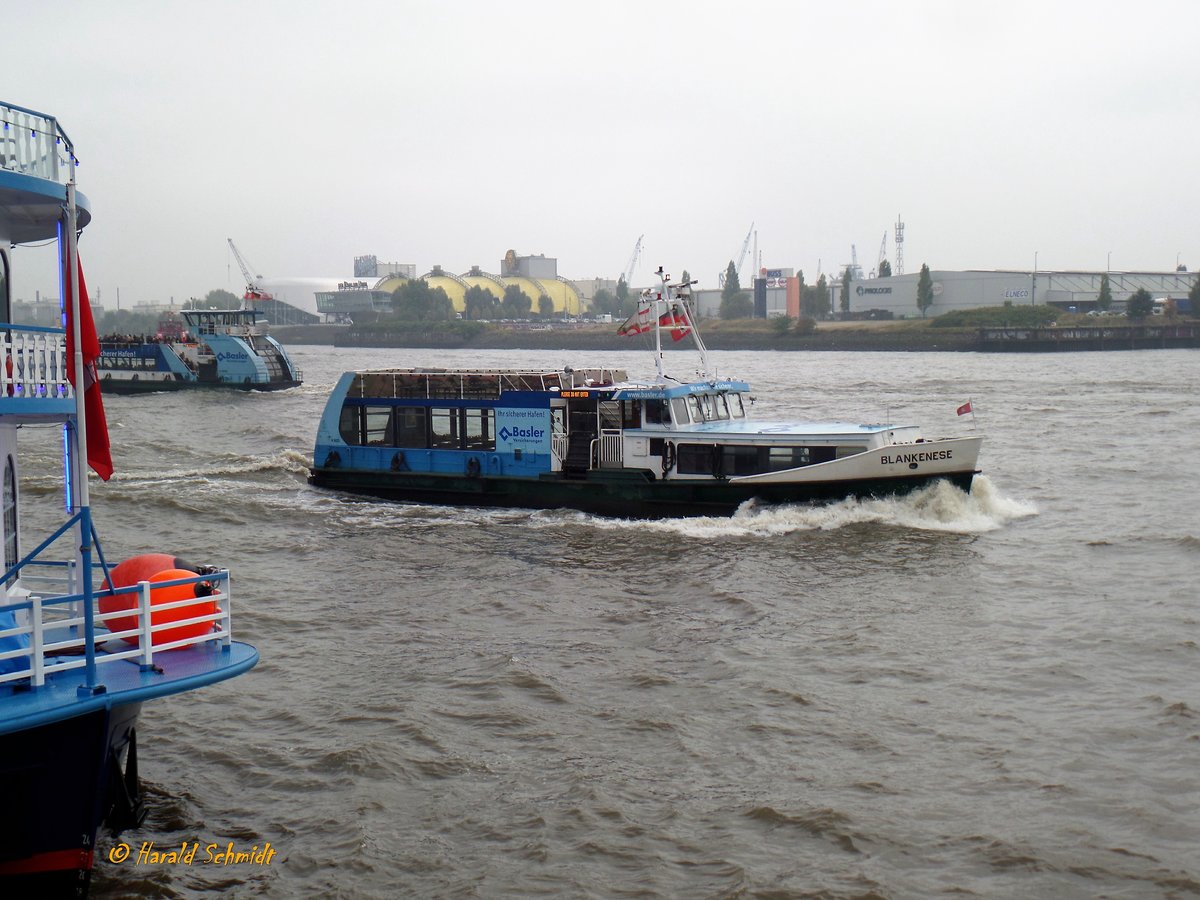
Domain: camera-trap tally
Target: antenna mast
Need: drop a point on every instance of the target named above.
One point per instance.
(899, 245)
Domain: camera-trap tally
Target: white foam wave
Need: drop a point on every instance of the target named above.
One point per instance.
(291, 461)
(939, 507)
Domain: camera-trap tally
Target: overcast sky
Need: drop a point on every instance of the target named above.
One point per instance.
(448, 132)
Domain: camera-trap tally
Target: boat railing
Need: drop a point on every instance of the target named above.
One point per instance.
(449, 384)
(35, 362)
(53, 635)
(608, 452)
(559, 446)
(33, 143)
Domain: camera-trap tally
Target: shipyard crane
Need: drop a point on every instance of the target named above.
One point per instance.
(633, 260)
(741, 258)
(254, 288)
(882, 255)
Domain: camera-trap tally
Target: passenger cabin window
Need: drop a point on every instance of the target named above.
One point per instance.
(736, 410)
(378, 426)
(631, 413)
(350, 426)
(657, 413)
(411, 426)
(694, 408)
(680, 411)
(480, 429)
(709, 459)
(444, 432)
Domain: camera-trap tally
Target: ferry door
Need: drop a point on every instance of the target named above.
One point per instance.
(558, 434)
(582, 428)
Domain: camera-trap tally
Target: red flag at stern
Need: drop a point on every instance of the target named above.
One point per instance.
(99, 455)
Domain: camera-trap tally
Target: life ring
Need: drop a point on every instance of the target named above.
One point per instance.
(333, 459)
(473, 467)
(399, 464)
(669, 457)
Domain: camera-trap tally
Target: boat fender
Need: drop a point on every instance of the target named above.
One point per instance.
(473, 467)
(333, 459)
(399, 464)
(669, 457)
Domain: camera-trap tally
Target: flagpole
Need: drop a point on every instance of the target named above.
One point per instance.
(77, 466)
(656, 315)
(79, 496)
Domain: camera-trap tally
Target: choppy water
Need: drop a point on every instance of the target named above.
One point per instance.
(993, 695)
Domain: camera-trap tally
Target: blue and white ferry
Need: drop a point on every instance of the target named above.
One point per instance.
(592, 439)
(83, 644)
(215, 348)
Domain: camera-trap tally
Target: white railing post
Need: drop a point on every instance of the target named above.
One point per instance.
(37, 659)
(225, 605)
(146, 638)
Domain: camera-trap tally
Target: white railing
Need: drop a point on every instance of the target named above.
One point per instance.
(609, 453)
(35, 362)
(559, 444)
(32, 143)
(54, 626)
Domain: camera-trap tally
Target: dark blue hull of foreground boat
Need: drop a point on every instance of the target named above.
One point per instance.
(66, 778)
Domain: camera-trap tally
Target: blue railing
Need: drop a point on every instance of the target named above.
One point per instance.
(33, 143)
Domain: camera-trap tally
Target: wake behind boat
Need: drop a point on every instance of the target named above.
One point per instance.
(597, 441)
(222, 348)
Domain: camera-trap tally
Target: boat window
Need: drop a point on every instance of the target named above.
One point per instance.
(780, 458)
(378, 422)
(706, 404)
(481, 429)
(735, 406)
(700, 459)
(694, 408)
(694, 459)
(657, 413)
(719, 406)
(444, 433)
(631, 413)
(350, 426)
(11, 548)
(558, 420)
(411, 425)
(679, 410)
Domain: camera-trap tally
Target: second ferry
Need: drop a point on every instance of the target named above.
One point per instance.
(206, 348)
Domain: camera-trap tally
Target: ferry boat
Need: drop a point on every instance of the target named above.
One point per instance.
(223, 348)
(593, 440)
(83, 644)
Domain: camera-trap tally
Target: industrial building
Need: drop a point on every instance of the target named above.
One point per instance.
(1068, 291)
(536, 276)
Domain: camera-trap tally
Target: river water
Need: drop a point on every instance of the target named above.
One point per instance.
(992, 695)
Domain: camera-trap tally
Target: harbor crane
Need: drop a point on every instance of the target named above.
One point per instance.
(254, 288)
(882, 257)
(633, 260)
(741, 258)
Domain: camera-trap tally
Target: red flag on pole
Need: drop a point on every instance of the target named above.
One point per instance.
(99, 456)
(676, 319)
(637, 323)
(965, 408)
